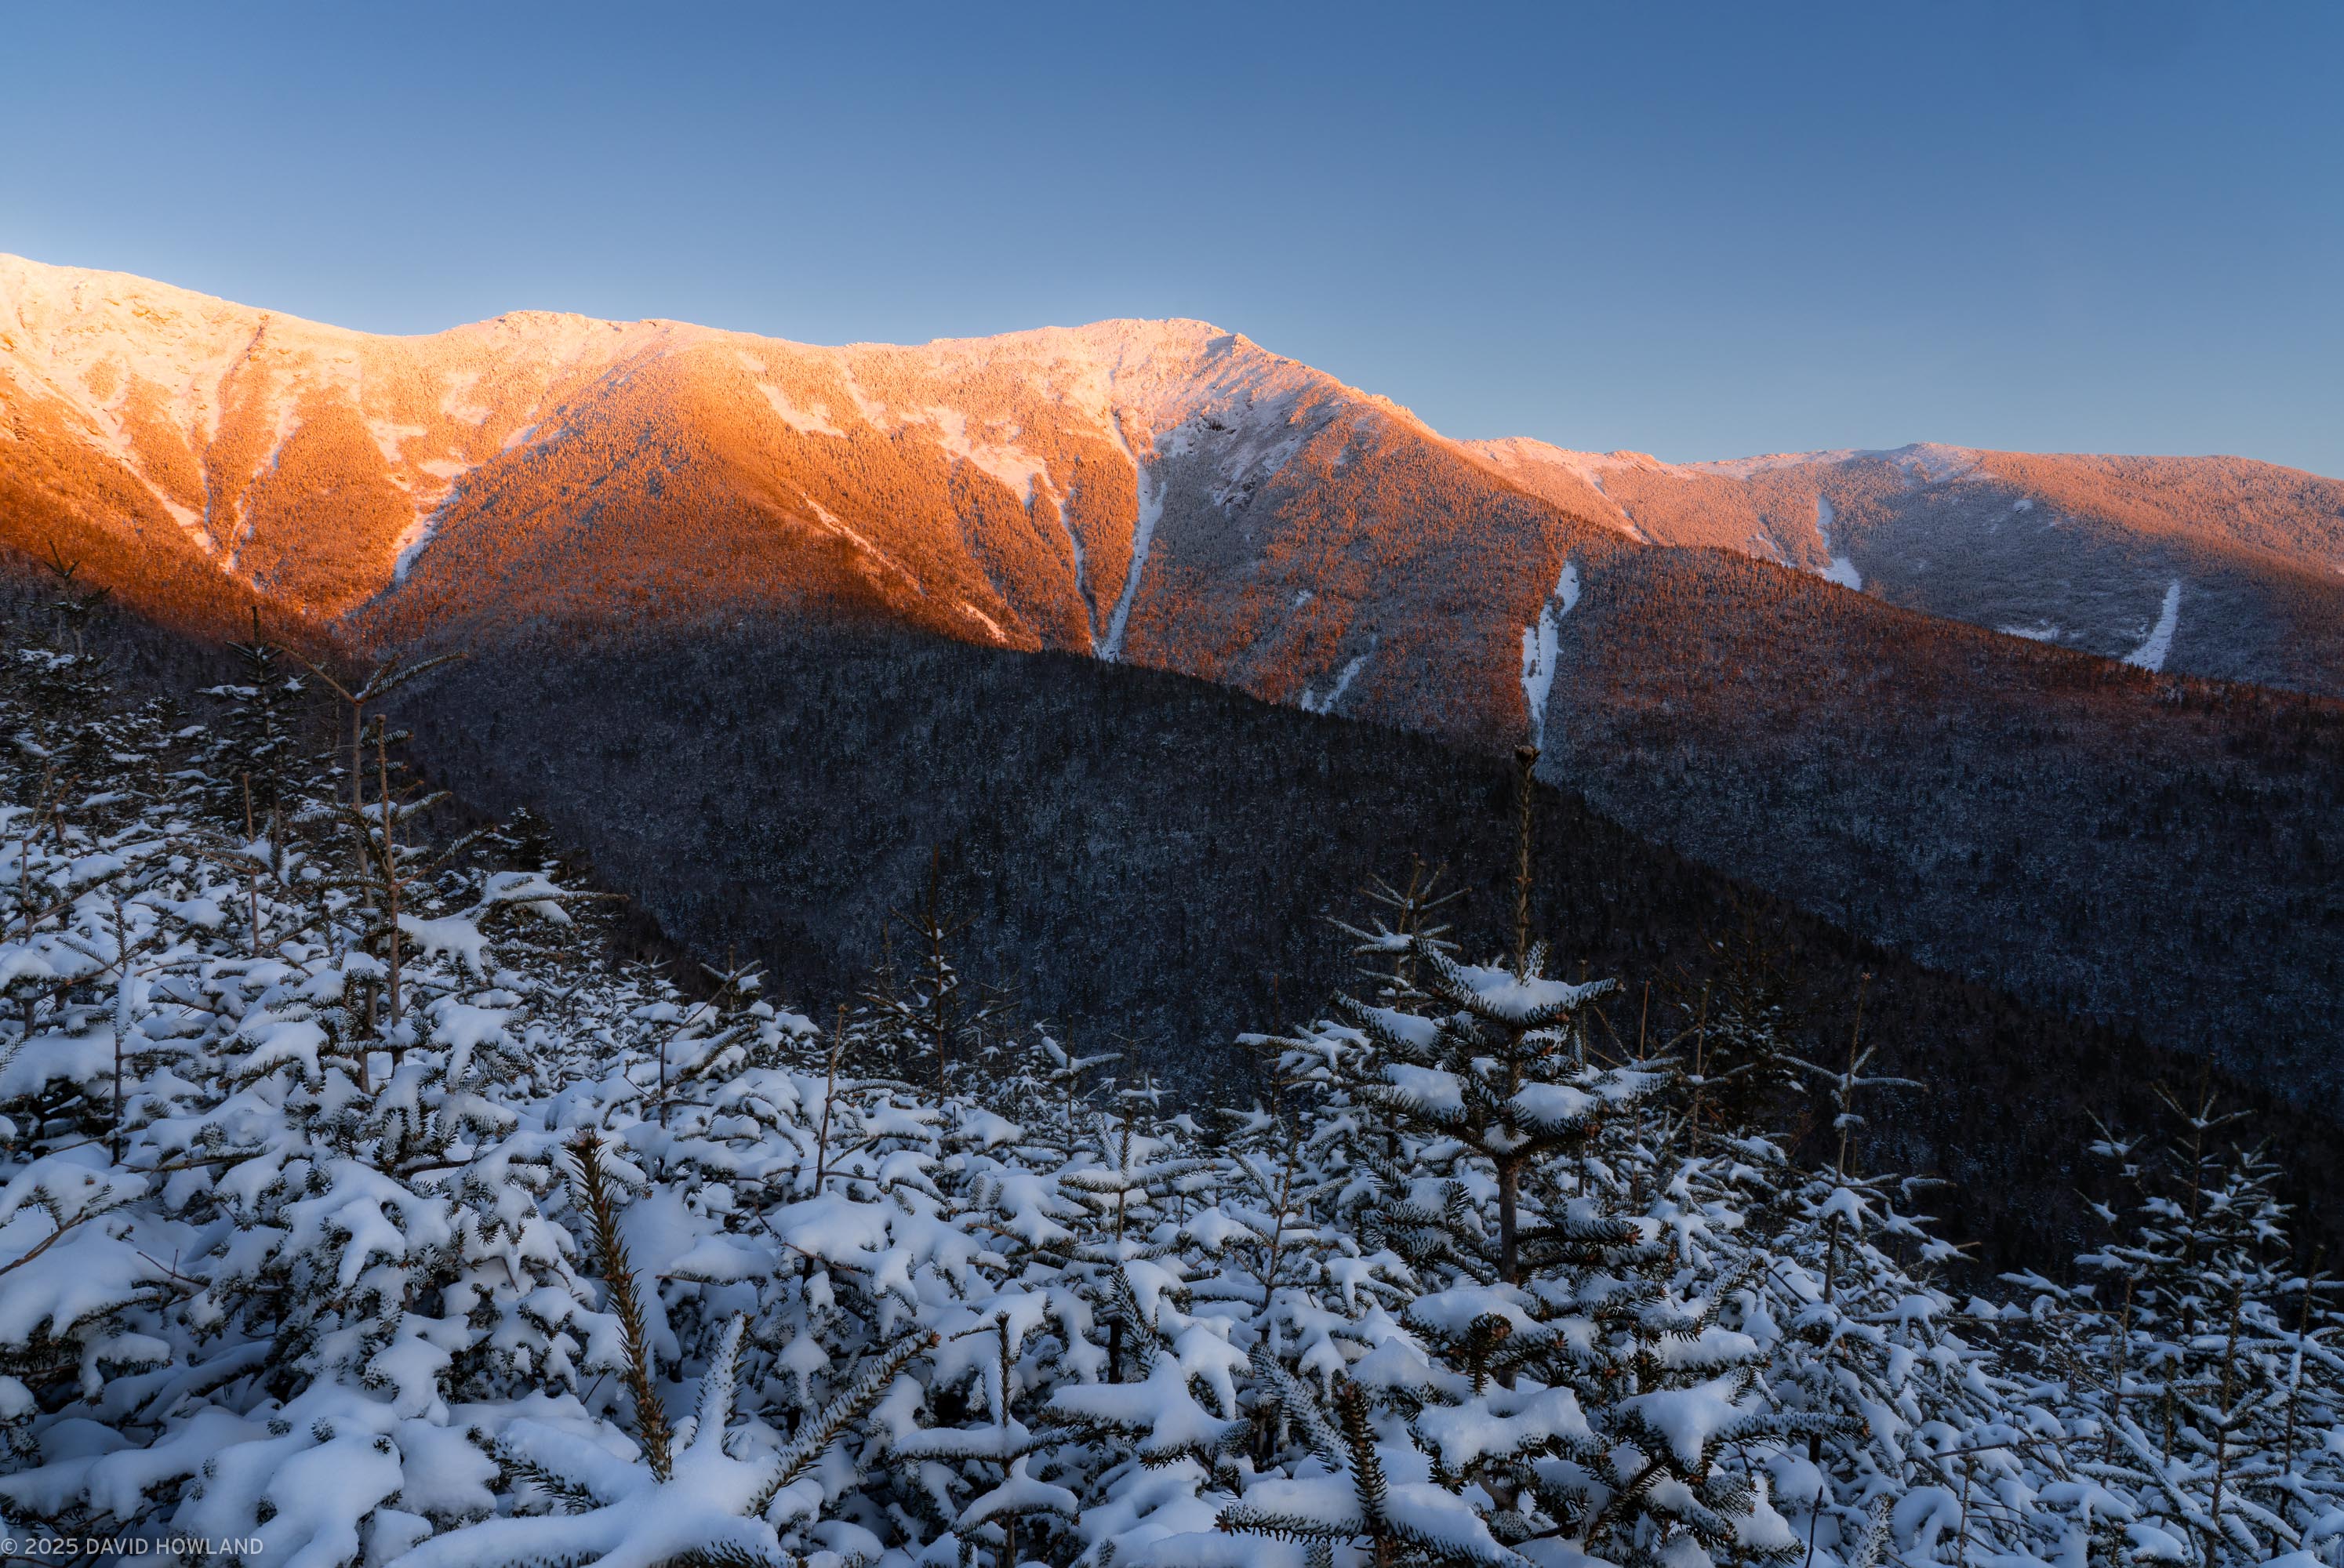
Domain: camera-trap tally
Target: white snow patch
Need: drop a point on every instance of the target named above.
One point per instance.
(805, 422)
(389, 438)
(106, 431)
(421, 532)
(989, 624)
(190, 521)
(454, 935)
(2041, 631)
(2150, 654)
(528, 436)
(1841, 570)
(1499, 992)
(1025, 477)
(1143, 536)
(2024, 504)
(831, 521)
(456, 401)
(411, 545)
(1020, 472)
(430, 508)
(873, 413)
(1310, 704)
(1541, 643)
(1692, 1418)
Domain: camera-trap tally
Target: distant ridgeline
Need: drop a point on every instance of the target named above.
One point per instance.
(358, 1204)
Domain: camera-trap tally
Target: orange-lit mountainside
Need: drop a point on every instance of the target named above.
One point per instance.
(1163, 493)
(2129, 836)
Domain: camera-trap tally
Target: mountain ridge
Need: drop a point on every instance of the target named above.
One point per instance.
(2008, 807)
(2092, 551)
(1006, 490)
(180, 408)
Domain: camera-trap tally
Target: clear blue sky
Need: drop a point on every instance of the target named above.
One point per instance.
(1697, 231)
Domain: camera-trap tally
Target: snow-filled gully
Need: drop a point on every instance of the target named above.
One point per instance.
(1541, 643)
(1143, 536)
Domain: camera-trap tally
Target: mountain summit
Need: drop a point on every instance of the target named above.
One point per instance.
(1162, 491)
(1865, 681)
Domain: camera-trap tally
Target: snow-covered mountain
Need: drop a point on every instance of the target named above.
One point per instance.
(2212, 565)
(1162, 492)
(1169, 495)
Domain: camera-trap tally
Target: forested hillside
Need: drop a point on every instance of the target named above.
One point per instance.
(2155, 849)
(356, 1208)
(1154, 864)
(2214, 567)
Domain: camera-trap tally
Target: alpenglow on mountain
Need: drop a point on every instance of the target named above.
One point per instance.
(1161, 492)
(606, 514)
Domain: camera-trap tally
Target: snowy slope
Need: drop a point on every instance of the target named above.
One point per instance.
(1162, 492)
(2076, 551)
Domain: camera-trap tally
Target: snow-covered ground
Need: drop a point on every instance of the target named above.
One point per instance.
(2157, 645)
(1841, 570)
